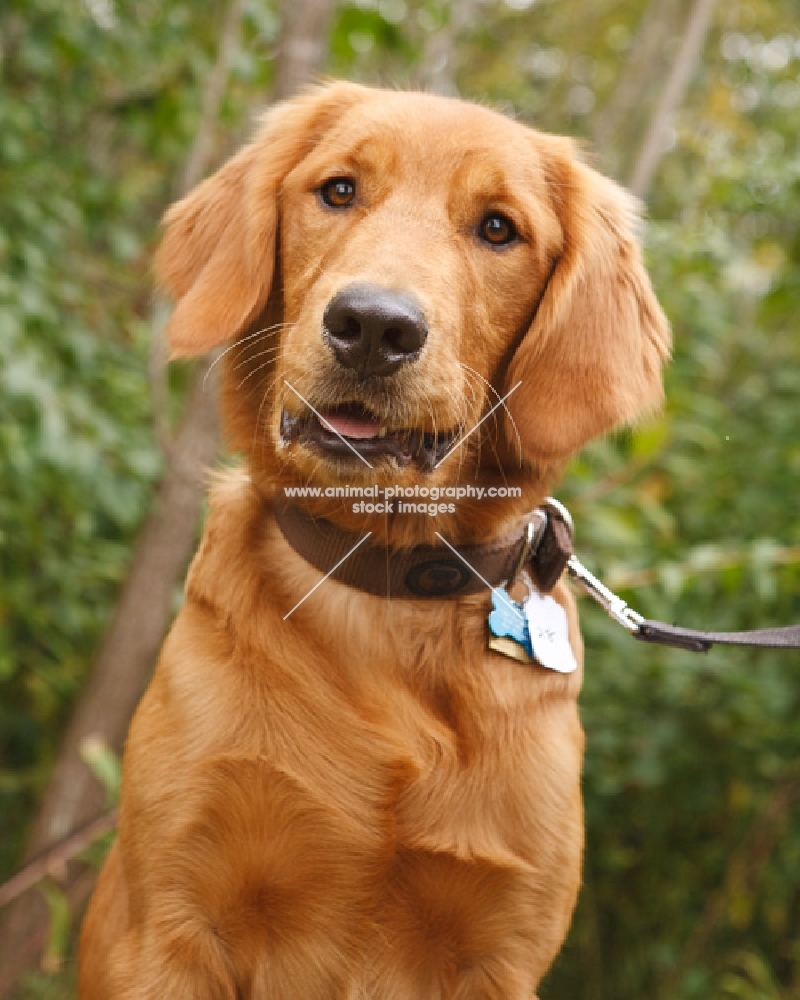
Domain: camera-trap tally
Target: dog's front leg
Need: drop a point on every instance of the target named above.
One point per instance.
(180, 963)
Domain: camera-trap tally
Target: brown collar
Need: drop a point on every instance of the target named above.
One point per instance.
(542, 543)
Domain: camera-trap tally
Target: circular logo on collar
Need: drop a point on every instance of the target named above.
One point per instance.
(437, 578)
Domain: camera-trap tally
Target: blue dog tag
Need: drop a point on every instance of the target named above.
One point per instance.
(508, 625)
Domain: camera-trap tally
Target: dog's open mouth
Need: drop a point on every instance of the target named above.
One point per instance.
(342, 429)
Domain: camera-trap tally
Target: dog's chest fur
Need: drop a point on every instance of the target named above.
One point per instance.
(376, 807)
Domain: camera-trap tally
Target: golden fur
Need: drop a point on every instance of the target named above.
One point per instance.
(361, 801)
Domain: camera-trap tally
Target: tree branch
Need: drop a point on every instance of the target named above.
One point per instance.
(54, 862)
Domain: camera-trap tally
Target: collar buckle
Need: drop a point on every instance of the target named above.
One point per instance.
(534, 533)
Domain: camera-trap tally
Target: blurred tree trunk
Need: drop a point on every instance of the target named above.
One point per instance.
(144, 610)
(653, 146)
(656, 27)
(304, 37)
(437, 70)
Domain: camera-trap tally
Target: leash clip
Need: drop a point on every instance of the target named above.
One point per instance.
(614, 606)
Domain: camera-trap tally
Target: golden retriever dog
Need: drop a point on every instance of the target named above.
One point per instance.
(342, 794)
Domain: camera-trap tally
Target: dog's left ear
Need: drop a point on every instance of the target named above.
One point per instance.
(217, 257)
(592, 358)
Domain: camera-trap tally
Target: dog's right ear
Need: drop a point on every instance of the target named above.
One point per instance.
(217, 257)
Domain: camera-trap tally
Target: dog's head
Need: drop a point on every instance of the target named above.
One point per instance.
(389, 267)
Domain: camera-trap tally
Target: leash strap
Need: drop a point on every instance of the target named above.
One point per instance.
(694, 640)
(700, 642)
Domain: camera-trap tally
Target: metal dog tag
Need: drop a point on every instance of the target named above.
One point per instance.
(549, 633)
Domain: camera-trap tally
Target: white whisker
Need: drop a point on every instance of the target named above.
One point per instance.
(237, 343)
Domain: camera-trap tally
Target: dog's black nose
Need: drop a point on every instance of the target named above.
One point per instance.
(374, 330)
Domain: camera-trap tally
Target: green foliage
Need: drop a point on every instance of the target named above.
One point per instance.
(105, 765)
(691, 884)
(59, 931)
(98, 103)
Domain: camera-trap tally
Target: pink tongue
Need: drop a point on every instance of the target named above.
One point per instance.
(352, 427)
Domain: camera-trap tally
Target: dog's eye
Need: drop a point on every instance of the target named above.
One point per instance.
(339, 192)
(497, 229)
